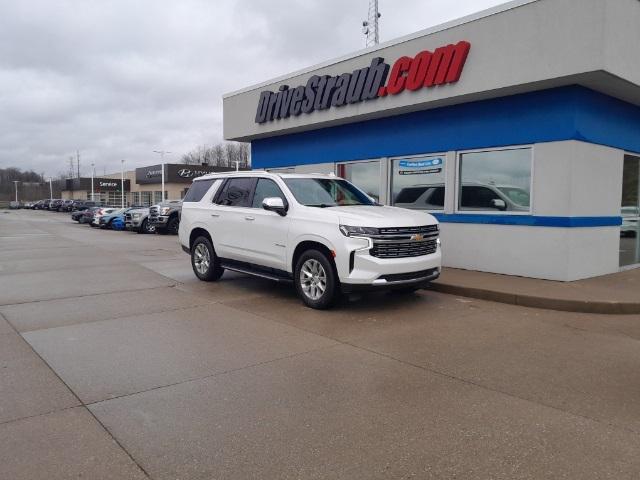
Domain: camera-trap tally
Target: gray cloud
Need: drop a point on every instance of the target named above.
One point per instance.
(119, 79)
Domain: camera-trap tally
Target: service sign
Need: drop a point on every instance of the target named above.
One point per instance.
(426, 70)
(99, 184)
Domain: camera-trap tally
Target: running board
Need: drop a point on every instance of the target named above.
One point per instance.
(262, 272)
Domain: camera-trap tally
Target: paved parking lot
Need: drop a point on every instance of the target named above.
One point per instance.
(116, 363)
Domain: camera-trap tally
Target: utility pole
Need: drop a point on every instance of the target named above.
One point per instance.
(78, 161)
(370, 27)
(122, 180)
(15, 182)
(93, 174)
(50, 189)
(162, 153)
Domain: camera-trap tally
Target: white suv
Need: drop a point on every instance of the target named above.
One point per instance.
(319, 231)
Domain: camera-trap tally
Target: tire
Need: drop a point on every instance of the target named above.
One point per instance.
(148, 228)
(316, 280)
(204, 261)
(172, 226)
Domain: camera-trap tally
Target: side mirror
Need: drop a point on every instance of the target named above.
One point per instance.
(275, 204)
(499, 204)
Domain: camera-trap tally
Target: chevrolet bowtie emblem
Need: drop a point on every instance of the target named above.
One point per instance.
(418, 237)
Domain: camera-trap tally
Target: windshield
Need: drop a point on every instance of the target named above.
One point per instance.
(326, 192)
(516, 195)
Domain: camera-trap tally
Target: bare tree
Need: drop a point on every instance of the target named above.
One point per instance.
(220, 155)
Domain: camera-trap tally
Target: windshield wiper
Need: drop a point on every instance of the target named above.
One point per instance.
(322, 205)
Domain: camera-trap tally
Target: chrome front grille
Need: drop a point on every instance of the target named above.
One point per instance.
(403, 242)
(127, 217)
(424, 229)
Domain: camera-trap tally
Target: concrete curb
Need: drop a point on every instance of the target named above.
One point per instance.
(559, 304)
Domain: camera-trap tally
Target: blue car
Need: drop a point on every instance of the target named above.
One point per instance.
(118, 222)
(113, 218)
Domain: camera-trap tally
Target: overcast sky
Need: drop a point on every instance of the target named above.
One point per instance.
(118, 79)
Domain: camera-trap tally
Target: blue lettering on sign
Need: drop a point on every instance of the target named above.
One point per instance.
(421, 163)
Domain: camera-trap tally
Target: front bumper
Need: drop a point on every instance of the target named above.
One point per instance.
(133, 223)
(394, 281)
(159, 221)
(358, 269)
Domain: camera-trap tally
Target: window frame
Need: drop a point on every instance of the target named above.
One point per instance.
(458, 183)
(382, 176)
(389, 179)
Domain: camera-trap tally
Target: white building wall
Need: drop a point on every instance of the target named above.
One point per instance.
(570, 179)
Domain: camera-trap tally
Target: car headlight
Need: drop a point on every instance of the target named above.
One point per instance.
(136, 215)
(165, 210)
(349, 231)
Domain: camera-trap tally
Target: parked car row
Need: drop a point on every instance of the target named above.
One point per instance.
(161, 218)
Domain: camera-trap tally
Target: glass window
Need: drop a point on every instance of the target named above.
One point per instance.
(145, 198)
(157, 197)
(326, 192)
(630, 228)
(266, 188)
(364, 175)
(236, 192)
(498, 180)
(197, 190)
(418, 183)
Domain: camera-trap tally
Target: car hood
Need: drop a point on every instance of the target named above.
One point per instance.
(381, 216)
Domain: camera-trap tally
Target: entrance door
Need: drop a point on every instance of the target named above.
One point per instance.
(630, 230)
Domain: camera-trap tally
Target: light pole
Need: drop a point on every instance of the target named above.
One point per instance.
(93, 173)
(15, 182)
(122, 180)
(161, 153)
(50, 189)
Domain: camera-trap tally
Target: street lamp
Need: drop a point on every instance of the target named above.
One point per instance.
(122, 180)
(15, 182)
(50, 189)
(93, 173)
(161, 153)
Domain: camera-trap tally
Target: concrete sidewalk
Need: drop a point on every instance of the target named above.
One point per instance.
(618, 293)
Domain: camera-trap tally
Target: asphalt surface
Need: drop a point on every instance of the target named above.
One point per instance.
(116, 363)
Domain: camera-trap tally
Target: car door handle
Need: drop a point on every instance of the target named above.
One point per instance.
(249, 218)
(215, 214)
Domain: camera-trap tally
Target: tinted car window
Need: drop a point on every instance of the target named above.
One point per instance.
(266, 188)
(437, 197)
(236, 192)
(410, 194)
(197, 190)
(477, 197)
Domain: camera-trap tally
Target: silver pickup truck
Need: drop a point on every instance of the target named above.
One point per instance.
(138, 221)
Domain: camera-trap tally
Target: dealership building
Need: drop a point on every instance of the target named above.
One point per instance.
(142, 186)
(517, 127)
